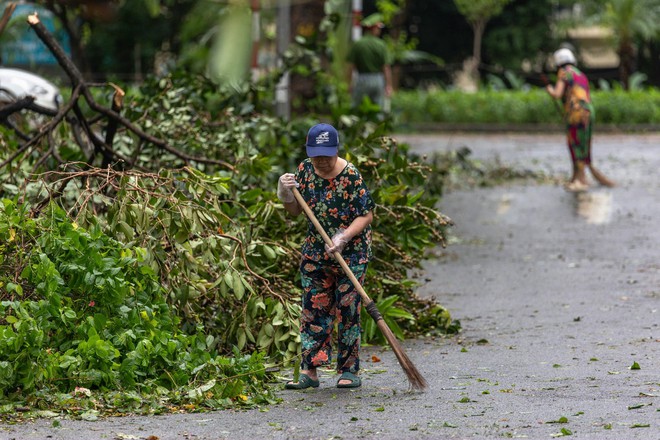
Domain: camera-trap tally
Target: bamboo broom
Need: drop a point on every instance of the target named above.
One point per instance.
(415, 378)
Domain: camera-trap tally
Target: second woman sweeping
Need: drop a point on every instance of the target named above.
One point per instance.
(573, 88)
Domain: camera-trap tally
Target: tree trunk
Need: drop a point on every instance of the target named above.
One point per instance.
(6, 15)
(478, 28)
(305, 20)
(626, 62)
(397, 26)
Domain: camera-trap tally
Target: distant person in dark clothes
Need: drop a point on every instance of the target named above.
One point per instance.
(370, 65)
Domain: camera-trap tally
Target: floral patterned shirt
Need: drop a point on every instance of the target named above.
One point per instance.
(335, 203)
(577, 99)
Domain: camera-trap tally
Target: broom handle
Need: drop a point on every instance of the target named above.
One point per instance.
(554, 101)
(365, 298)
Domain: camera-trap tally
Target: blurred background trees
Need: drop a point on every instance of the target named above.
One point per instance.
(478, 13)
(630, 27)
(130, 39)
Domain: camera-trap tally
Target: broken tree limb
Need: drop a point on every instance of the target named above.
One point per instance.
(156, 141)
(15, 106)
(111, 129)
(77, 79)
(17, 130)
(6, 15)
(24, 103)
(64, 61)
(45, 129)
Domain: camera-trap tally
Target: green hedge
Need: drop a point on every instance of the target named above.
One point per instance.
(519, 107)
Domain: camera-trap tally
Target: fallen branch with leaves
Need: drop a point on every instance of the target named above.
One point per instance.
(87, 123)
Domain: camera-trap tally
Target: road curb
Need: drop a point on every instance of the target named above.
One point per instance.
(436, 127)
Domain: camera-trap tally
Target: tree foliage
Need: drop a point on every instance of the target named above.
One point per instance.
(632, 22)
(144, 247)
(478, 13)
(521, 33)
(82, 311)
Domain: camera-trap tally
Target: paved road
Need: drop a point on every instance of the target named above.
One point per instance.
(558, 295)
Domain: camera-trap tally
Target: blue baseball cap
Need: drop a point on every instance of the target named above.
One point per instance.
(322, 140)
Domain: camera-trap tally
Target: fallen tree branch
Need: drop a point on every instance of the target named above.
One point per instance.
(6, 15)
(16, 130)
(44, 130)
(15, 106)
(111, 129)
(77, 79)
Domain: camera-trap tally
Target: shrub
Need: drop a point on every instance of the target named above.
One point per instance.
(87, 311)
(519, 107)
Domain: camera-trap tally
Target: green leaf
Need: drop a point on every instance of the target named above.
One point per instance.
(264, 341)
(239, 288)
(395, 312)
(229, 279)
(11, 287)
(241, 339)
(250, 336)
(199, 391)
(90, 415)
(635, 366)
(269, 252)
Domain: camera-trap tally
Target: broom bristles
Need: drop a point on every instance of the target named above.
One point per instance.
(600, 177)
(415, 378)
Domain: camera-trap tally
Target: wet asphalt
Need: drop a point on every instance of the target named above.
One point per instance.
(558, 295)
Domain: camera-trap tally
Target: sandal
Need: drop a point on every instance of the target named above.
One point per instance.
(304, 381)
(356, 382)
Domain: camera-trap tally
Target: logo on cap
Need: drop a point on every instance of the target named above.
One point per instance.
(323, 137)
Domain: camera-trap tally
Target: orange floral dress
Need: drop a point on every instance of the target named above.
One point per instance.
(579, 112)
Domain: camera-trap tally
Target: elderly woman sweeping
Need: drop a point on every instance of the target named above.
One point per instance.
(573, 88)
(333, 188)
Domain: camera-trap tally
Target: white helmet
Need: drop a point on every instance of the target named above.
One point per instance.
(564, 56)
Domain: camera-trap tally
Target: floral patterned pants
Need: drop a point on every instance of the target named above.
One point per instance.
(329, 297)
(578, 131)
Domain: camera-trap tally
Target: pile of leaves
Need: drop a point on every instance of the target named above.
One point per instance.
(177, 280)
(88, 313)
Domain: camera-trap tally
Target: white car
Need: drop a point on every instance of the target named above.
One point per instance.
(16, 84)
